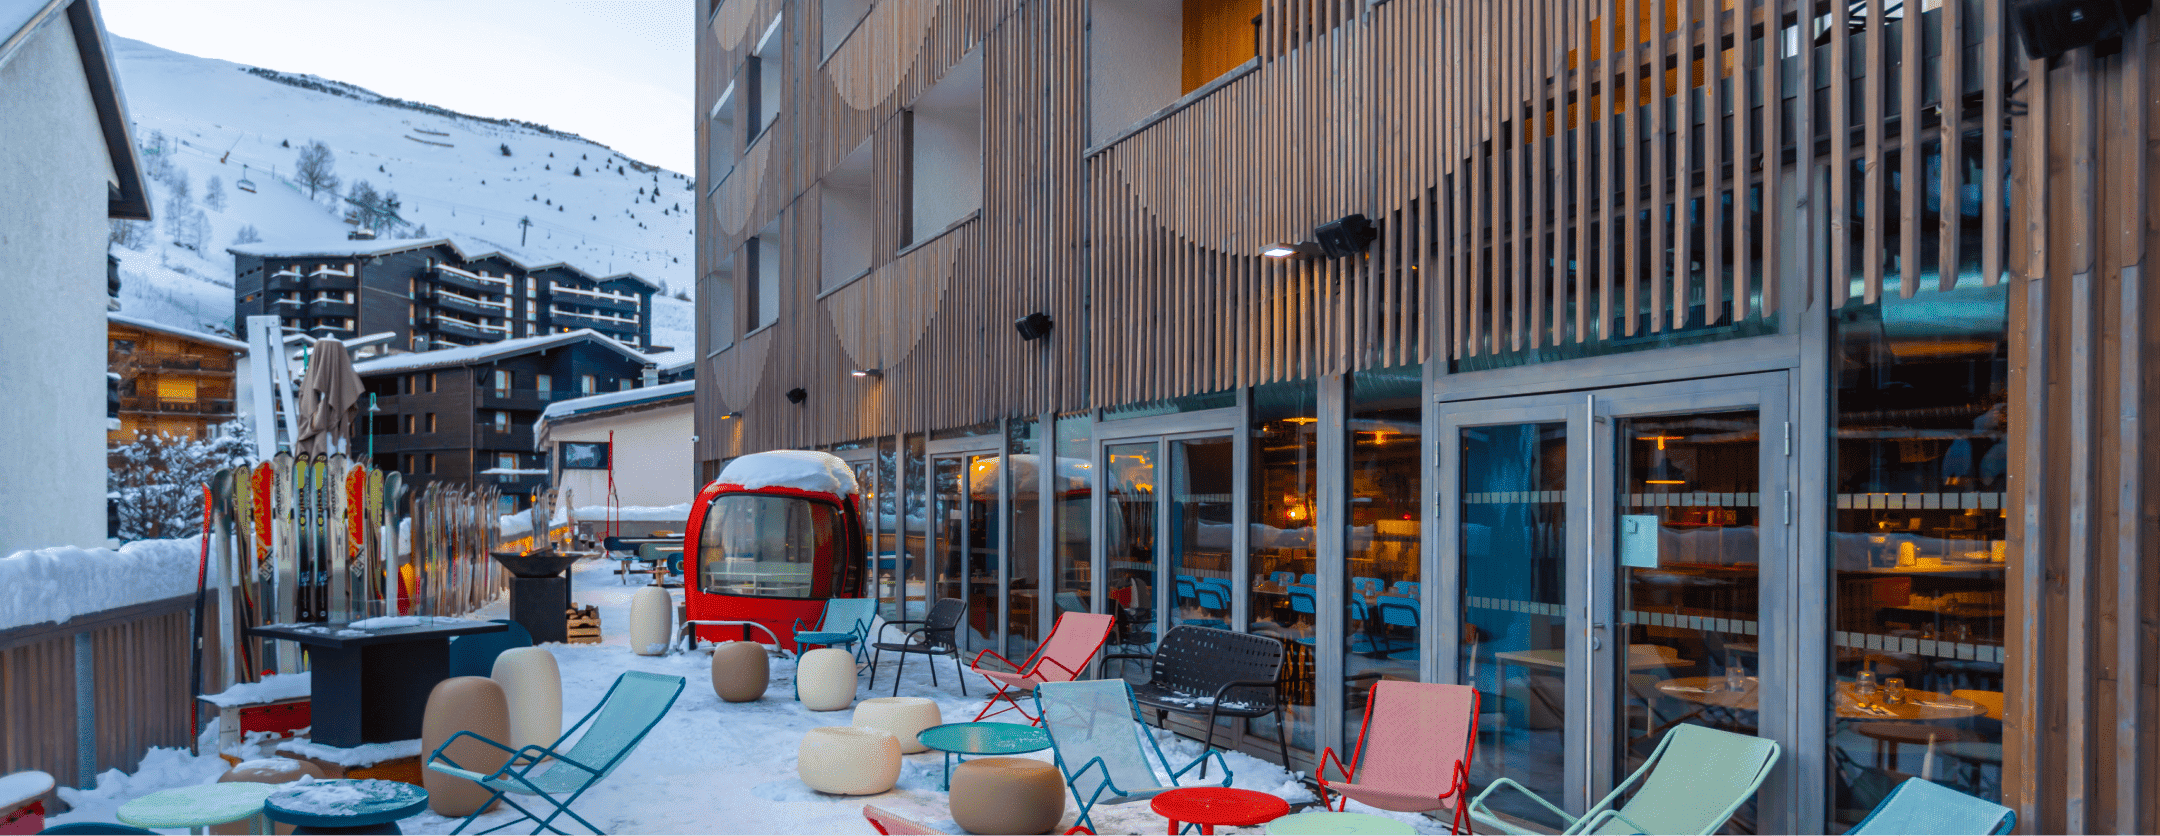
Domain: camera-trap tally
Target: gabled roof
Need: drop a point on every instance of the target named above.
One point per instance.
(474, 354)
(198, 336)
(611, 401)
(466, 249)
(19, 19)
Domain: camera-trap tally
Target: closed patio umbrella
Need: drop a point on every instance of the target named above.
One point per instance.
(329, 399)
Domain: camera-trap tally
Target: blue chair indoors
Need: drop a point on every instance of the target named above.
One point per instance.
(845, 623)
(1214, 600)
(1367, 586)
(1922, 806)
(1308, 579)
(1409, 588)
(1282, 578)
(1301, 602)
(632, 706)
(474, 655)
(1185, 591)
(1399, 611)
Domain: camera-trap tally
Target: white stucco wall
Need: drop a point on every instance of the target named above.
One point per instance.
(948, 149)
(1134, 50)
(53, 176)
(653, 462)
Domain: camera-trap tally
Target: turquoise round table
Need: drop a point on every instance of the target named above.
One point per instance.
(345, 805)
(196, 807)
(981, 739)
(1319, 823)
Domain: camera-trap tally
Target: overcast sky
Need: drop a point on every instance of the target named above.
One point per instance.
(614, 71)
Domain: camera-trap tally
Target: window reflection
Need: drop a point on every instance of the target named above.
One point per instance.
(1383, 611)
(1284, 601)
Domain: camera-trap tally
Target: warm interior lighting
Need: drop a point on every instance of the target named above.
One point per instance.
(730, 416)
(1301, 420)
(1662, 471)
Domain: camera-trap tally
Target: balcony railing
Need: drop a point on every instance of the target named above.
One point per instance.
(460, 327)
(516, 399)
(465, 304)
(327, 307)
(452, 278)
(154, 361)
(518, 439)
(202, 406)
(571, 296)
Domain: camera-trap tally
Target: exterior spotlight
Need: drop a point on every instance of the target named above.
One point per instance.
(868, 373)
(731, 416)
(797, 395)
(1034, 326)
(1284, 250)
(1345, 236)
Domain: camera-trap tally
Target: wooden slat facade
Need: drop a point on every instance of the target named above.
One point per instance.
(1550, 179)
(140, 669)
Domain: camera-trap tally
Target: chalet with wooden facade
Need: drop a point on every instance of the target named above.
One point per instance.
(467, 414)
(171, 380)
(1584, 353)
(434, 293)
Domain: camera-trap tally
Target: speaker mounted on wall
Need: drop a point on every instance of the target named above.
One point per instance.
(2050, 28)
(797, 395)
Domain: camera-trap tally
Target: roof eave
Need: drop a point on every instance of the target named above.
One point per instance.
(128, 199)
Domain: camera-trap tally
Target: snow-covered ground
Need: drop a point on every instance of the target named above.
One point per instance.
(717, 767)
(589, 206)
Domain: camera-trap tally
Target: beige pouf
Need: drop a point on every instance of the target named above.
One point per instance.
(905, 717)
(264, 771)
(825, 679)
(532, 683)
(844, 760)
(1007, 795)
(463, 703)
(740, 671)
(652, 614)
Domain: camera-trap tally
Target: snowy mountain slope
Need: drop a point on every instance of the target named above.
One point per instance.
(588, 205)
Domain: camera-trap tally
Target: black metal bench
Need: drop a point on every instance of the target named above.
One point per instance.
(1213, 673)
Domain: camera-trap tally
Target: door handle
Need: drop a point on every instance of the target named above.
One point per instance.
(1597, 638)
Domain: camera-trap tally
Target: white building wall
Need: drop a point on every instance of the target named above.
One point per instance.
(53, 175)
(653, 462)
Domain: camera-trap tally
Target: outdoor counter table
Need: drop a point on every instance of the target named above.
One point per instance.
(371, 684)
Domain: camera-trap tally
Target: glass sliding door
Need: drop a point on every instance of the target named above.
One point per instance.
(1200, 509)
(1129, 543)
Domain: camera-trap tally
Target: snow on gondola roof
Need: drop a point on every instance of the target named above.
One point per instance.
(802, 470)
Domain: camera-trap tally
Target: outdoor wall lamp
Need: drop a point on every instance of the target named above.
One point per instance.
(797, 395)
(1282, 250)
(868, 373)
(731, 416)
(1344, 236)
(1034, 326)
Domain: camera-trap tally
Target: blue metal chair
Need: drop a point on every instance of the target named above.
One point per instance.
(1409, 588)
(845, 623)
(1923, 806)
(632, 706)
(1185, 590)
(1367, 586)
(1283, 578)
(1214, 599)
(1400, 611)
(1309, 579)
(474, 655)
(1301, 602)
(1096, 725)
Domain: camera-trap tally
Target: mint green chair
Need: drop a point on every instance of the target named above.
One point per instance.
(613, 728)
(1922, 806)
(1692, 783)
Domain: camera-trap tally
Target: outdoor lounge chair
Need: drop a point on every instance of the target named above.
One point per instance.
(845, 623)
(1923, 806)
(632, 706)
(938, 636)
(1693, 782)
(1095, 733)
(889, 823)
(1074, 640)
(1416, 759)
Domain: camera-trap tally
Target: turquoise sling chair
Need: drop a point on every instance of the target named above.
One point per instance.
(1693, 782)
(1095, 724)
(845, 623)
(1923, 806)
(633, 705)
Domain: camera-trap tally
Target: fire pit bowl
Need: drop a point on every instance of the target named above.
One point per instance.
(545, 563)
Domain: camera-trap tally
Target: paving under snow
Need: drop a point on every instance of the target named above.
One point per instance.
(716, 767)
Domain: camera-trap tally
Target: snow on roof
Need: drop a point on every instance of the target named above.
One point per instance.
(627, 397)
(670, 362)
(160, 327)
(466, 248)
(489, 351)
(802, 470)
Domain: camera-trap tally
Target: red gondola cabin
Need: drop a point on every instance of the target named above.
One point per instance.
(769, 541)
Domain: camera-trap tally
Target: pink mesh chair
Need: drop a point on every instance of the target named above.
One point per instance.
(893, 824)
(1072, 644)
(1413, 753)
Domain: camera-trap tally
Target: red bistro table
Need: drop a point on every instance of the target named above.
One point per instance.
(1210, 806)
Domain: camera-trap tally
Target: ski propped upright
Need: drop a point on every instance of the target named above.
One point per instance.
(333, 540)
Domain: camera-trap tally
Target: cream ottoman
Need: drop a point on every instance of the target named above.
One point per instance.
(1007, 795)
(844, 760)
(740, 671)
(463, 703)
(264, 771)
(905, 717)
(652, 617)
(532, 684)
(825, 679)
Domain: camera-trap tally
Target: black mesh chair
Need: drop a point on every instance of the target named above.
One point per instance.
(936, 637)
(1213, 673)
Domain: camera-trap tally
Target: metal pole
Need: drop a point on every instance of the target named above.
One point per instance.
(86, 713)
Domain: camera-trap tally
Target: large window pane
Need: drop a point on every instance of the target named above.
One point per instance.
(1199, 528)
(1383, 616)
(1073, 561)
(1023, 450)
(1129, 543)
(1285, 470)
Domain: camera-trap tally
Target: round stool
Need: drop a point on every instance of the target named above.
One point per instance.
(264, 771)
(825, 679)
(740, 671)
(905, 717)
(195, 807)
(463, 703)
(1322, 823)
(844, 760)
(1007, 795)
(532, 685)
(346, 806)
(652, 613)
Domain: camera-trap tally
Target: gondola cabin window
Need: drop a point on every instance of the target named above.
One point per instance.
(766, 546)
